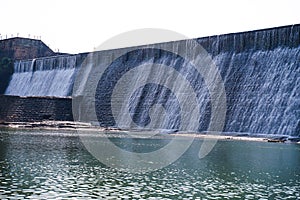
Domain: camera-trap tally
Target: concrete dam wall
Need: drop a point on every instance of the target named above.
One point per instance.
(260, 71)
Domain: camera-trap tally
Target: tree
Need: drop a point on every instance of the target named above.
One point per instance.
(6, 70)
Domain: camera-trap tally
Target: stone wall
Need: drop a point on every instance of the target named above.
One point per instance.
(24, 48)
(29, 109)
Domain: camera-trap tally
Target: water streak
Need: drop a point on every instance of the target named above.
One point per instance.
(260, 70)
(43, 77)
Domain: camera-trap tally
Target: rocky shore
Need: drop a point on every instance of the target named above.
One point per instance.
(71, 125)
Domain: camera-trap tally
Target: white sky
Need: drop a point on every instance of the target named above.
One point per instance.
(78, 26)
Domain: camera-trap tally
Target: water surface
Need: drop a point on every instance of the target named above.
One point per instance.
(55, 164)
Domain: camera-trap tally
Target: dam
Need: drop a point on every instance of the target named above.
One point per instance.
(260, 71)
(152, 87)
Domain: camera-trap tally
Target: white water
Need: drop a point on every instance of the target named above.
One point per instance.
(51, 76)
(262, 83)
(262, 90)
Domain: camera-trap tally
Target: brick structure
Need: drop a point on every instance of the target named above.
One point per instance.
(33, 109)
(24, 48)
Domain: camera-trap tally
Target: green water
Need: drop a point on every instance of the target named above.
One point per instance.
(55, 165)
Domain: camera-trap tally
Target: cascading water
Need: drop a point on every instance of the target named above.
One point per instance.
(144, 91)
(260, 71)
(51, 76)
(262, 90)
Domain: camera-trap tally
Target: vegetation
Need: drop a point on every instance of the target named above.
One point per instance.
(6, 70)
(6, 65)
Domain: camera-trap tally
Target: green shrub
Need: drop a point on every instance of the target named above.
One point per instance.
(6, 65)
(6, 70)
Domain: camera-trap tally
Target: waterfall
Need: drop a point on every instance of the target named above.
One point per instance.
(52, 76)
(262, 90)
(260, 71)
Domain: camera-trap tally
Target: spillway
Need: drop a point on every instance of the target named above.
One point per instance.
(260, 70)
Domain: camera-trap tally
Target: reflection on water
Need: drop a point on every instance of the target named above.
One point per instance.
(56, 165)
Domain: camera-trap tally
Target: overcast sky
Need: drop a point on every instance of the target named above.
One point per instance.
(79, 26)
